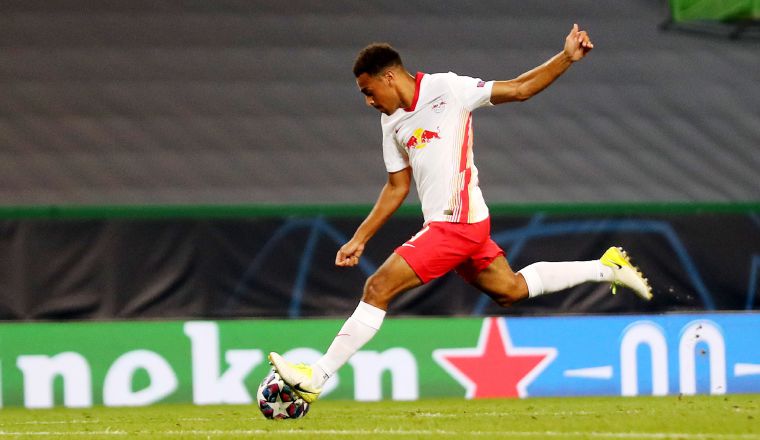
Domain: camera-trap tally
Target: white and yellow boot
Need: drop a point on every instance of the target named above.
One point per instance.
(625, 273)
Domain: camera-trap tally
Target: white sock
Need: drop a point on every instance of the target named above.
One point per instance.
(357, 331)
(544, 277)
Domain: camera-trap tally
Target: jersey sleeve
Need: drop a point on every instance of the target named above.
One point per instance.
(471, 92)
(394, 156)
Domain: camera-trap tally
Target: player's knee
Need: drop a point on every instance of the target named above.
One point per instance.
(376, 291)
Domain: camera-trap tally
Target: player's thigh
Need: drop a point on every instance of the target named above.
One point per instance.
(501, 283)
(394, 276)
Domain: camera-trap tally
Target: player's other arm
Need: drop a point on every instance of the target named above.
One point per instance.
(393, 194)
(577, 45)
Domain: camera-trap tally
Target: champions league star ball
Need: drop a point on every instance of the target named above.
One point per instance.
(278, 401)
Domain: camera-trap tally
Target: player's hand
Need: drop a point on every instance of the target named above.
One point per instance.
(348, 255)
(577, 43)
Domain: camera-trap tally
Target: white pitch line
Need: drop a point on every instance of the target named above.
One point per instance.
(62, 433)
(500, 434)
(51, 422)
(357, 432)
(537, 412)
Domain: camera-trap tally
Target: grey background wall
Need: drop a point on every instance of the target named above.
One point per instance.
(167, 102)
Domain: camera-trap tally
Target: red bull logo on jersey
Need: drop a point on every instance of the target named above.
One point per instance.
(420, 138)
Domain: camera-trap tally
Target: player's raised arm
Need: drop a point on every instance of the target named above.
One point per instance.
(393, 194)
(577, 45)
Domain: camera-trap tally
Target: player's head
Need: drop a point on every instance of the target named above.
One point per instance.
(375, 59)
(377, 69)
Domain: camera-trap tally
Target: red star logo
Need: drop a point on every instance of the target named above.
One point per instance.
(495, 368)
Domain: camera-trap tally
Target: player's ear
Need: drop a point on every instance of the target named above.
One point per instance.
(389, 76)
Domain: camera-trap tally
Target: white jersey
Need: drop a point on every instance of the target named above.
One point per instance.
(434, 136)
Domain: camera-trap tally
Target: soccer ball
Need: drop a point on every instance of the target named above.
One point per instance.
(278, 401)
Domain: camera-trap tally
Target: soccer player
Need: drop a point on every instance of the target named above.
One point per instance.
(427, 134)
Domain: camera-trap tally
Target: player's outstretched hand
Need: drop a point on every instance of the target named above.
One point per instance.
(577, 43)
(348, 255)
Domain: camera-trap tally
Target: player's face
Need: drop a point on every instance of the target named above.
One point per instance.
(378, 92)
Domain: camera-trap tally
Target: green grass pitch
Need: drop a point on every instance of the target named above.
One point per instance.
(692, 417)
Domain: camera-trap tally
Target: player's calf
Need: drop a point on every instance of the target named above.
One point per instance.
(501, 284)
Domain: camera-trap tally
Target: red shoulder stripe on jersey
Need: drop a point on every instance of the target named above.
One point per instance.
(418, 80)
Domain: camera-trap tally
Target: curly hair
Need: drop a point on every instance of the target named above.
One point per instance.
(375, 58)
